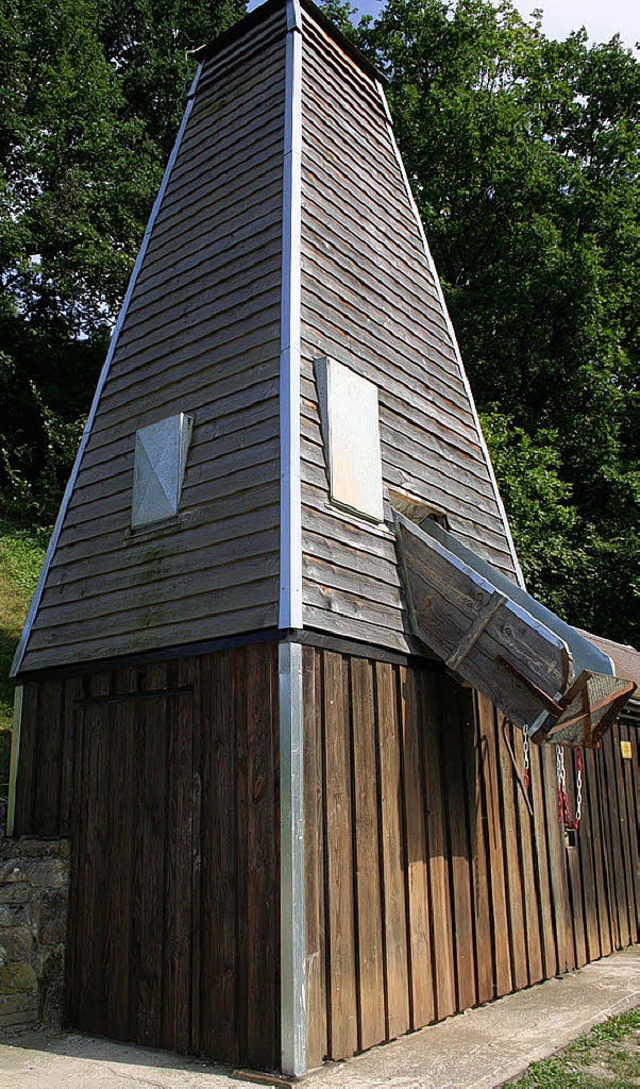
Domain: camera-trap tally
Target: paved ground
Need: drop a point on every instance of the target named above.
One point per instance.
(479, 1049)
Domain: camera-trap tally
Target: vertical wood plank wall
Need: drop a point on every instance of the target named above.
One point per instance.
(165, 777)
(429, 887)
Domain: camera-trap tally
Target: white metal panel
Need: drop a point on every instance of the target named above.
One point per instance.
(159, 464)
(351, 427)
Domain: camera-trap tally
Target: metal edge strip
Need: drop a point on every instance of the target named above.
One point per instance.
(57, 529)
(293, 1022)
(290, 604)
(452, 334)
(15, 756)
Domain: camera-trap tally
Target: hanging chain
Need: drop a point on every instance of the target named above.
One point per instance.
(526, 778)
(561, 778)
(578, 789)
(564, 816)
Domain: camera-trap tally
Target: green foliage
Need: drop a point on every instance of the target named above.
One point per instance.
(21, 556)
(605, 1058)
(523, 156)
(91, 92)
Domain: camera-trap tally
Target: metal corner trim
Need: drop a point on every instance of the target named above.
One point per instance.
(57, 529)
(454, 339)
(290, 603)
(294, 15)
(292, 872)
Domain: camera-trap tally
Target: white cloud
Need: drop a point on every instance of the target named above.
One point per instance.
(602, 20)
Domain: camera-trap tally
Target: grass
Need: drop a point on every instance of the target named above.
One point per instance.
(608, 1057)
(21, 556)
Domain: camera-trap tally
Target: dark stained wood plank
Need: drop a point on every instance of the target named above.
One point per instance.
(529, 866)
(189, 675)
(242, 802)
(119, 856)
(73, 690)
(341, 962)
(500, 921)
(589, 891)
(423, 998)
(475, 774)
(176, 1030)
(574, 874)
(560, 902)
(219, 951)
(624, 831)
(631, 785)
(611, 816)
(371, 989)
(512, 858)
(25, 785)
(77, 888)
(97, 784)
(393, 850)
(456, 733)
(427, 708)
(598, 905)
(48, 771)
(314, 857)
(607, 849)
(153, 822)
(261, 683)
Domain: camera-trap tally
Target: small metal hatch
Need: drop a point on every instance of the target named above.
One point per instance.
(538, 670)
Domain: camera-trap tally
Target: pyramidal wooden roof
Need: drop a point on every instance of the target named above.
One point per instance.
(284, 233)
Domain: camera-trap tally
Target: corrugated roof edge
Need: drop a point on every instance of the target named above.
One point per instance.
(264, 11)
(626, 658)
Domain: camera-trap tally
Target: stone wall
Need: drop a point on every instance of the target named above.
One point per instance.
(34, 890)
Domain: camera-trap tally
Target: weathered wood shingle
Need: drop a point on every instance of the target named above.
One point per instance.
(201, 336)
(370, 300)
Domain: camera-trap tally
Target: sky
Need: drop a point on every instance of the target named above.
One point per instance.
(602, 18)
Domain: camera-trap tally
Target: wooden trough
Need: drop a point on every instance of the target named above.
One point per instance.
(477, 623)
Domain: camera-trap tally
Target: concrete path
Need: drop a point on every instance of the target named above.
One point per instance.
(479, 1049)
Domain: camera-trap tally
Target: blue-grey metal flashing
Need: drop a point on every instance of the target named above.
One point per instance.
(57, 530)
(15, 756)
(292, 886)
(290, 609)
(452, 334)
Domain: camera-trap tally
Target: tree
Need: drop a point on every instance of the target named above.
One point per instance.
(524, 158)
(91, 92)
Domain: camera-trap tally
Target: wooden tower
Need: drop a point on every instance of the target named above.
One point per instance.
(294, 832)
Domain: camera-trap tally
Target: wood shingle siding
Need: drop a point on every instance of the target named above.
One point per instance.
(201, 336)
(370, 300)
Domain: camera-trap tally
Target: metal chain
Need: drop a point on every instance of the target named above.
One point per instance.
(526, 778)
(578, 788)
(562, 783)
(563, 800)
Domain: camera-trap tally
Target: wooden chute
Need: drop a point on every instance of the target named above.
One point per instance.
(555, 687)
